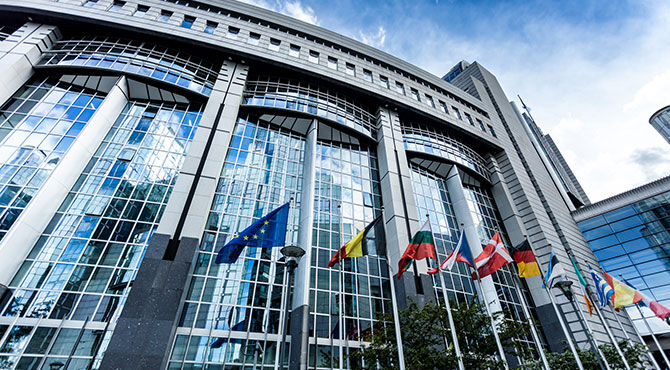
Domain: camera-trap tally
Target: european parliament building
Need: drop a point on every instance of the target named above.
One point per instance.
(138, 136)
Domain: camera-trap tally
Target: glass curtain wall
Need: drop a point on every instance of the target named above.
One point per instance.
(432, 197)
(237, 306)
(346, 175)
(82, 267)
(37, 126)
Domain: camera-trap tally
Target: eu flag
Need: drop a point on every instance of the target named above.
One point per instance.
(269, 231)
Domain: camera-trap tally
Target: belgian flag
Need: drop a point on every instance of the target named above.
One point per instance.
(525, 260)
(354, 247)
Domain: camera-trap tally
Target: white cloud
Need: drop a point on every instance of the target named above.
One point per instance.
(376, 40)
(292, 8)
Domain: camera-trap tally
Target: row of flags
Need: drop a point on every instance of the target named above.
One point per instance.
(270, 231)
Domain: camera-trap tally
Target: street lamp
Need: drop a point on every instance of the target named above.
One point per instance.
(565, 287)
(292, 255)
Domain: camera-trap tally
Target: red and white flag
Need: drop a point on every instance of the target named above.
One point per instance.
(493, 257)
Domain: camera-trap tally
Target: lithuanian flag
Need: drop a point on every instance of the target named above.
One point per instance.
(525, 260)
(354, 247)
(421, 246)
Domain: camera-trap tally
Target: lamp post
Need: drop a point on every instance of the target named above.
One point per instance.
(292, 255)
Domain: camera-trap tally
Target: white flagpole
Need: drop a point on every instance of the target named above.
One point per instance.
(651, 356)
(340, 302)
(609, 333)
(396, 317)
(536, 337)
(501, 351)
(653, 336)
(559, 315)
(447, 305)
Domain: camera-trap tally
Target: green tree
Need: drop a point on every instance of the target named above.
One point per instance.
(635, 354)
(425, 334)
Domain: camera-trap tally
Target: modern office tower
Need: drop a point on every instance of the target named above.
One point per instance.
(138, 137)
(630, 235)
(661, 122)
(549, 151)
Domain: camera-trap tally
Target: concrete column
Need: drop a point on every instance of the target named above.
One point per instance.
(299, 329)
(18, 242)
(400, 215)
(20, 52)
(145, 329)
(516, 231)
(464, 216)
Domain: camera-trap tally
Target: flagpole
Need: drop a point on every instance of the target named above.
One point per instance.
(623, 330)
(396, 317)
(653, 336)
(501, 351)
(559, 315)
(594, 344)
(447, 304)
(341, 291)
(609, 332)
(530, 320)
(651, 356)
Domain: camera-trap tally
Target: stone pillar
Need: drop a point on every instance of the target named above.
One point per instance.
(20, 52)
(18, 242)
(400, 215)
(463, 215)
(516, 232)
(299, 329)
(145, 329)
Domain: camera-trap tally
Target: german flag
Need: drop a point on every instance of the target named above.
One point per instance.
(354, 247)
(525, 260)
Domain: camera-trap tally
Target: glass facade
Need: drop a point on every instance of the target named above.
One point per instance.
(661, 122)
(432, 198)
(82, 267)
(346, 176)
(634, 241)
(240, 304)
(425, 140)
(38, 125)
(310, 98)
(140, 58)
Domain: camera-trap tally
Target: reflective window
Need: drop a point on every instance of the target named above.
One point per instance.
(350, 69)
(233, 32)
(294, 50)
(139, 58)
(254, 38)
(141, 11)
(117, 5)
(313, 56)
(384, 81)
(274, 44)
(90, 3)
(38, 125)
(346, 176)
(210, 27)
(83, 265)
(332, 63)
(367, 75)
(188, 21)
(262, 170)
(415, 94)
(457, 113)
(430, 101)
(310, 98)
(164, 16)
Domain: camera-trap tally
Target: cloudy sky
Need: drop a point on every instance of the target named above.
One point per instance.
(591, 73)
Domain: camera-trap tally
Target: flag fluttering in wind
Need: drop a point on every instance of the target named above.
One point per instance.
(605, 292)
(421, 246)
(493, 257)
(623, 294)
(460, 253)
(355, 247)
(555, 271)
(269, 231)
(583, 285)
(525, 260)
(658, 309)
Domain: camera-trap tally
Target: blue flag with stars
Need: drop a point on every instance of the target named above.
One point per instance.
(269, 231)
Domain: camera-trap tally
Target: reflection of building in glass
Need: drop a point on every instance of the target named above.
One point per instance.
(661, 122)
(136, 139)
(630, 235)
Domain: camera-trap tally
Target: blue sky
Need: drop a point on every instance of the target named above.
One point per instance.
(592, 72)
